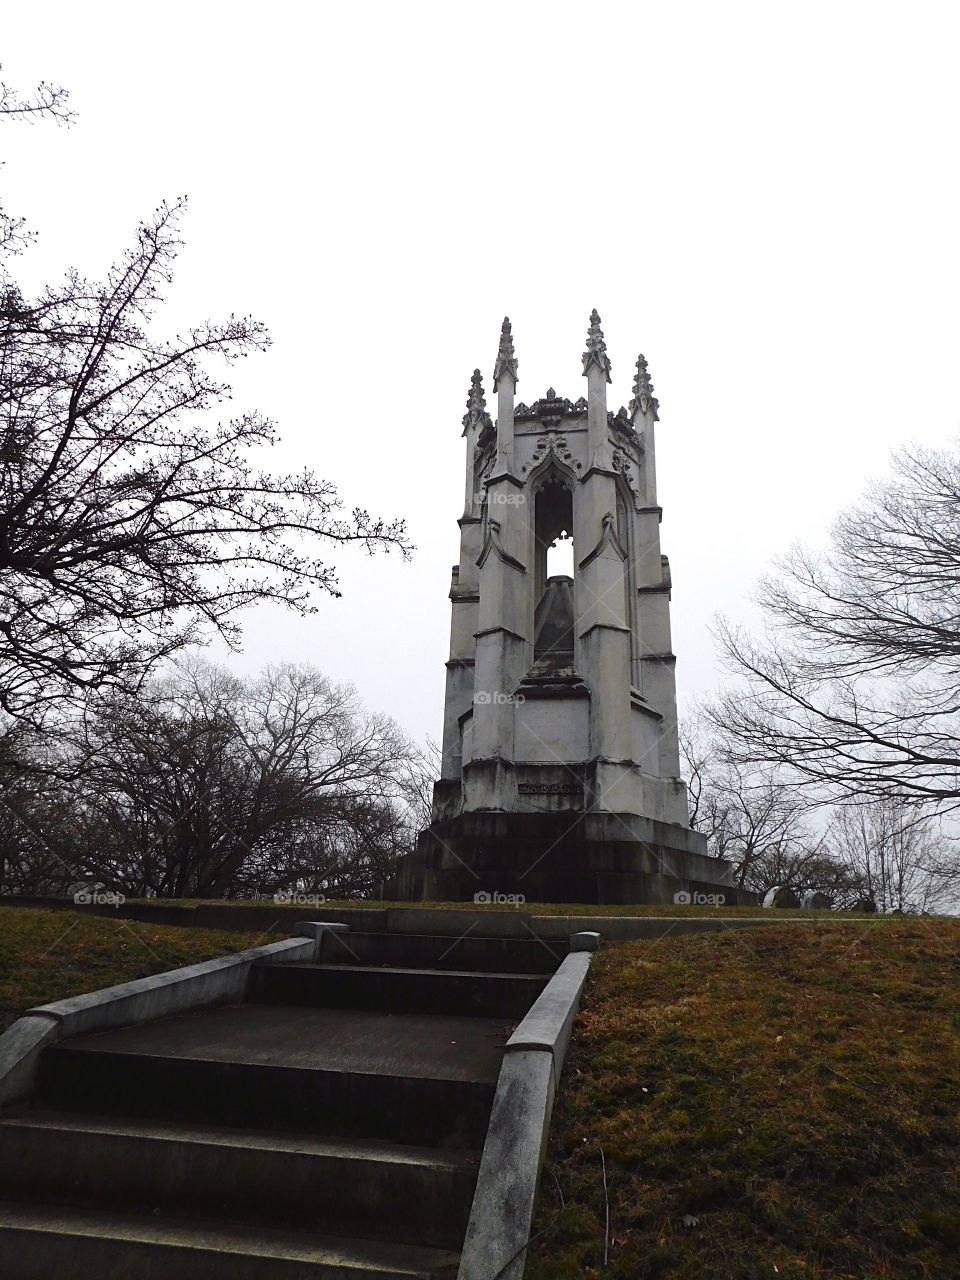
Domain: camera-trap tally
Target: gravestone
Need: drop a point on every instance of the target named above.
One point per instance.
(780, 896)
(814, 900)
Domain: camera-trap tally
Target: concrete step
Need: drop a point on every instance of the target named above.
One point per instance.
(37, 1243)
(342, 986)
(425, 951)
(364, 1189)
(414, 1109)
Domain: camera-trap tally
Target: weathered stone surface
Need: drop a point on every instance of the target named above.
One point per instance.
(20, 1047)
(316, 929)
(586, 940)
(191, 987)
(552, 857)
(548, 1025)
(330, 1121)
(510, 1169)
(503, 1205)
(561, 693)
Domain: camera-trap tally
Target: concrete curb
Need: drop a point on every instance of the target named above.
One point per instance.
(502, 1212)
(629, 928)
(143, 1000)
(320, 931)
(20, 1048)
(585, 940)
(547, 1026)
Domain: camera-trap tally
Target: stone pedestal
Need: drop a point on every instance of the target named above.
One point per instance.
(591, 858)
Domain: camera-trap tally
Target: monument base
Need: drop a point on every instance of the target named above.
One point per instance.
(616, 858)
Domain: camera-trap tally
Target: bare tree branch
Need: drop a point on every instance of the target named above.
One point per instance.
(206, 785)
(856, 688)
(129, 528)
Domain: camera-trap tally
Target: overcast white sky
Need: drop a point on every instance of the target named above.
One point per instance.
(763, 198)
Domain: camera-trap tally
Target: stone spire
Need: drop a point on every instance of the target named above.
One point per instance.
(643, 400)
(476, 415)
(596, 352)
(506, 360)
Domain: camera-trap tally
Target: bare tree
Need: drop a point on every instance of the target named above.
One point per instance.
(127, 528)
(894, 854)
(420, 771)
(855, 691)
(753, 819)
(131, 525)
(36, 819)
(206, 785)
(48, 102)
(695, 762)
(349, 854)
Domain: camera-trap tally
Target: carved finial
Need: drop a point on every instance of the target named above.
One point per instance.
(476, 415)
(596, 352)
(506, 360)
(643, 398)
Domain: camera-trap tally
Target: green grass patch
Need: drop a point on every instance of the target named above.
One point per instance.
(50, 955)
(773, 1103)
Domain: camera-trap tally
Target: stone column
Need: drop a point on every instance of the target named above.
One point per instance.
(505, 385)
(465, 599)
(503, 645)
(657, 664)
(602, 634)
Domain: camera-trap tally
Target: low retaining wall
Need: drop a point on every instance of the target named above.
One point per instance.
(194, 986)
(484, 921)
(502, 1212)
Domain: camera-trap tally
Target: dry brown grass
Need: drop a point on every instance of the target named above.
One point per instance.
(775, 1103)
(50, 955)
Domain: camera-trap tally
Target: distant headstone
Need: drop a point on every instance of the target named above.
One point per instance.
(865, 904)
(780, 896)
(814, 900)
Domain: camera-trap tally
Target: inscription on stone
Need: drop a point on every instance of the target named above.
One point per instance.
(550, 789)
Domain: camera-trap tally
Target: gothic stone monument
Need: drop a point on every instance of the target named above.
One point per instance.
(561, 771)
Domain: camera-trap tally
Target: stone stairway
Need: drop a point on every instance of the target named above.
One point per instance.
(330, 1126)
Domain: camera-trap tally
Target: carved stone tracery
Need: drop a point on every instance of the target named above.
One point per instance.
(551, 408)
(644, 401)
(552, 442)
(625, 465)
(476, 415)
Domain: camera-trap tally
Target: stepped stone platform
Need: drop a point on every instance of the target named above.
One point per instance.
(330, 1126)
(614, 858)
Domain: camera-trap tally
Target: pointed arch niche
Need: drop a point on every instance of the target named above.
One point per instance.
(552, 490)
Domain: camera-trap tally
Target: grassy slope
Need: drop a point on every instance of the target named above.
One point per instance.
(781, 1103)
(49, 955)
(794, 1092)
